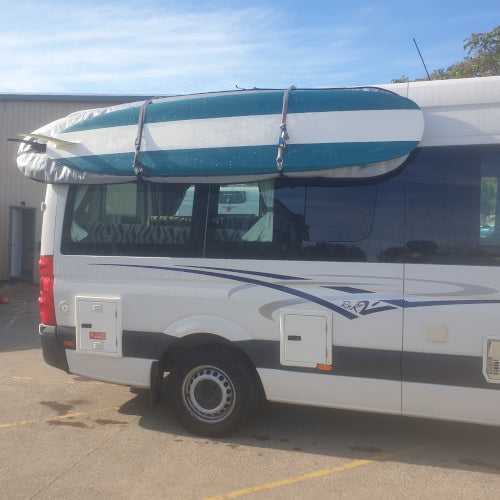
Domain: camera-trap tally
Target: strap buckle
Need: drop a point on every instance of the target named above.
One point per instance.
(283, 132)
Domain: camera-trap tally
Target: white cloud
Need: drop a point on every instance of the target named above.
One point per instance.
(181, 46)
(124, 49)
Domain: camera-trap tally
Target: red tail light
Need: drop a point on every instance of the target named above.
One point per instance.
(46, 298)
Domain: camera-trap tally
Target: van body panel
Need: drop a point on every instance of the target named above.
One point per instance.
(340, 392)
(447, 403)
(127, 371)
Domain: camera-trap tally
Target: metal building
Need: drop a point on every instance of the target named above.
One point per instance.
(20, 197)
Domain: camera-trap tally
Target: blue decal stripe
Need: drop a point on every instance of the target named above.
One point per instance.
(347, 289)
(243, 160)
(365, 312)
(429, 303)
(252, 281)
(253, 273)
(250, 104)
(393, 303)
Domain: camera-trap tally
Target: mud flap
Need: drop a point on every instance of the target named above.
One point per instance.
(156, 384)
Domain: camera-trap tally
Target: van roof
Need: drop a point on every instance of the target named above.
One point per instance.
(451, 109)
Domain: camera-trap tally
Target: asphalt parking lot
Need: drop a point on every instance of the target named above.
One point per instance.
(64, 436)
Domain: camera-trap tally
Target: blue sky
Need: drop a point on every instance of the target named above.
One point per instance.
(184, 46)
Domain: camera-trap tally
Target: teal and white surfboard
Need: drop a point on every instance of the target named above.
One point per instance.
(235, 134)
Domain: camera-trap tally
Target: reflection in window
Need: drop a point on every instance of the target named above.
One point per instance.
(488, 202)
(452, 203)
(245, 213)
(326, 222)
(307, 220)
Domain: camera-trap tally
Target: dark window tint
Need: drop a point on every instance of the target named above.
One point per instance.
(452, 203)
(340, 214)
(308, 220)
(133, 219)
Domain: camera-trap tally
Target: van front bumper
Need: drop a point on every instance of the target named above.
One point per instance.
(53, 349)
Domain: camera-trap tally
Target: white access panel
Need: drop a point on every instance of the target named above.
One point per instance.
(98, 326)
(306, 338)
(491, 359)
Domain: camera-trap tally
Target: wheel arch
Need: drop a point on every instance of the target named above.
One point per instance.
(208, 324)
(197, 341)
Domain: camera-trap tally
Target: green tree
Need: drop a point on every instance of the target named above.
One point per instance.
(489, 187)
(483, 59)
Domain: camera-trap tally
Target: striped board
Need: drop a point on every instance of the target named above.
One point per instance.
(235, 135)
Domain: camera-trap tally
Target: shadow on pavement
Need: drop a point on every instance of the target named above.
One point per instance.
(348, 434)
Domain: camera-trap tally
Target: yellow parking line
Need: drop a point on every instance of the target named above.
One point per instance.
(325, 472)
(52, 381)
(58, 417)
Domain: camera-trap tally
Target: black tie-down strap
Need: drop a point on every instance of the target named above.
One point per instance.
(283, 133)
(139, 168)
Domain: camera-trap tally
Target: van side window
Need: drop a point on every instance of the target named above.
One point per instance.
(329, 221)
(307, 220)
(452, 203)
(131, 219)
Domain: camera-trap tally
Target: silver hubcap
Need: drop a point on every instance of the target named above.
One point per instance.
(208, 393)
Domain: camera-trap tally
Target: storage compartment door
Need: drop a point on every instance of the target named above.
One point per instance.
(98, 326)
(306, 338)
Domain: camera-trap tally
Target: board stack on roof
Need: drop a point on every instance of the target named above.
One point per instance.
(229, 137)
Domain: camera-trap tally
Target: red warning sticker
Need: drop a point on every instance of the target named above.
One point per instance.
(97, 335)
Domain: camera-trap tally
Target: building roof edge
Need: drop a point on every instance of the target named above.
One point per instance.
(75, 97)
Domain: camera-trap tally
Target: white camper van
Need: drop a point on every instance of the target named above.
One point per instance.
(378, 294)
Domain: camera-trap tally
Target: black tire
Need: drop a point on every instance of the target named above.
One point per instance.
(213, 391)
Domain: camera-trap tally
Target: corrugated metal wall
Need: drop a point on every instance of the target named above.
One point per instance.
(25, 115)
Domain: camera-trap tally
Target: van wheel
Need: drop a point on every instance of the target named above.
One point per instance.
(213, 391)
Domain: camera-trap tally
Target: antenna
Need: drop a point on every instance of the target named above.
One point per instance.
(422, 59)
